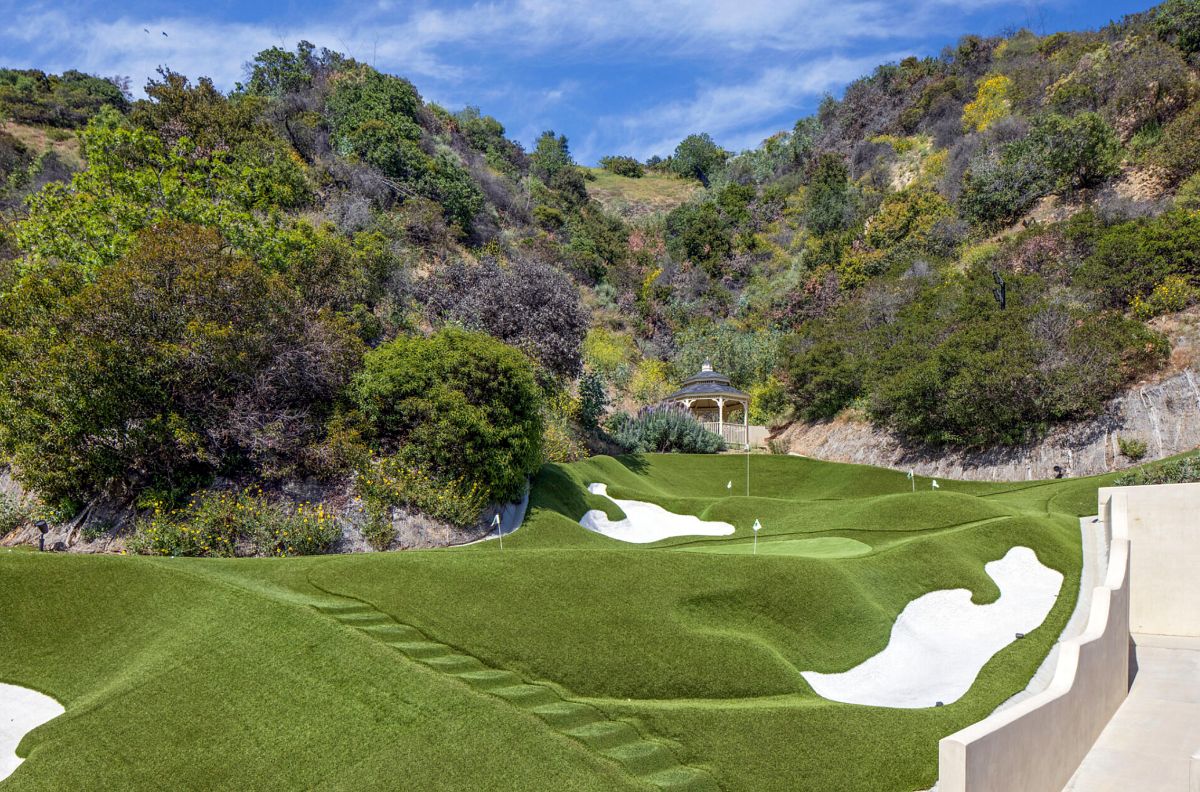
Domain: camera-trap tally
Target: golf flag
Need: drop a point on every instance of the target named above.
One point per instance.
(496, 521)
(729, 486)
(757, 525)
(911, 473)
(935, 484)
(499, 532)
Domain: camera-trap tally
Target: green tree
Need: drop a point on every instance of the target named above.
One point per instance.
(698, 233)
(831, 200)
(179, 361)
(1077, 152)
(457, 405)
(698, 157)
(550, 155)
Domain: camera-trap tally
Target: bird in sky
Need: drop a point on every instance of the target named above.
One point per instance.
(164, 33)
(146, 30)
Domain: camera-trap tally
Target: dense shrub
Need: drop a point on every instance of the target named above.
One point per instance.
(376, 117)
(1132, 448)
(30, 96)
(1177, 152)
(527, 304)
(623, 166)
(941, 362)
(13, 513)
(390, 480)
(228, 524)
(831, 199)
(697, 232)
(181, 360)
(1176, 471)
(1130, 259)
(457, 406)
(1178, 21)
(745, 356)
(663, 431)
(991, 103)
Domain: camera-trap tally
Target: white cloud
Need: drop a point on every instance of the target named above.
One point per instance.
(737, 114)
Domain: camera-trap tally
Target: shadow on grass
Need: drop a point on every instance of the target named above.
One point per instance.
(636, 463)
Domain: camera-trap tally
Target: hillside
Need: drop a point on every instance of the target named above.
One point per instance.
(634, 198)
(320, 276)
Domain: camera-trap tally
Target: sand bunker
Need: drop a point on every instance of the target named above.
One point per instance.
(647, 522)
(941, 640)
(21, 711)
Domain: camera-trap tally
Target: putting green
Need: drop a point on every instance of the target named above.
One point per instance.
(820, 547)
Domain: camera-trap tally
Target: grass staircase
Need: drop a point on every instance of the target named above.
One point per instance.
(645, 759)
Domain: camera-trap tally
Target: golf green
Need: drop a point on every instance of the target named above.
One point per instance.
(566, 661)
(820, 547)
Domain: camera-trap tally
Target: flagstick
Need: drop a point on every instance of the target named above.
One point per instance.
(499, 530)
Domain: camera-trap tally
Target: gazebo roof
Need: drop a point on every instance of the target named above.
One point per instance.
(708, 384)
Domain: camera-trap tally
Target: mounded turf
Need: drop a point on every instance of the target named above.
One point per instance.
(567, 661)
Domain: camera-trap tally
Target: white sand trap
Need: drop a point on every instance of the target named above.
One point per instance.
(21, 711)
(941, 640)
(647, 522)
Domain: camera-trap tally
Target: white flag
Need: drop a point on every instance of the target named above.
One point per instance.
(496, 521)
(935, 484)
(757, 525)
(729, 486)
(910, 473)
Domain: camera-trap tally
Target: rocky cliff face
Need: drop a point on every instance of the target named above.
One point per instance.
(1164, 413)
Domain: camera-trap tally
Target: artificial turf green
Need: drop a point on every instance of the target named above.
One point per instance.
(218, 674)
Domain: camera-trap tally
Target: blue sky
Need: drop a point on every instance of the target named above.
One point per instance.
(615, 76)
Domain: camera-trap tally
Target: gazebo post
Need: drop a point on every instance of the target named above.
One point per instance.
(746, 422)
(720, 416)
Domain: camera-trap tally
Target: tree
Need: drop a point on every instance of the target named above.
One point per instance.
(180, 361)
(459, 406)
(831, 198)
(550, 155)
(1077, 152)
(698, 157)
(528, 304)
(593, 398)
(698, 233)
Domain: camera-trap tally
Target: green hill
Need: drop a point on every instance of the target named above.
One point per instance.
(566, 661)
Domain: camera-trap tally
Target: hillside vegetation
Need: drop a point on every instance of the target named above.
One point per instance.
(965, 248)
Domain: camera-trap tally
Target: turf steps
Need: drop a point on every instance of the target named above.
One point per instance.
(647, 760)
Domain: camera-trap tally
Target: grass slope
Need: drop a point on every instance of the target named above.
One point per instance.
(221, 674)
(632, 198)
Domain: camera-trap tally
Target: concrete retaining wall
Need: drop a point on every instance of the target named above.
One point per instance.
(1163, 523)
(1036, 745)
(1151, 585)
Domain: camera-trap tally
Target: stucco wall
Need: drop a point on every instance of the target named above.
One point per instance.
(1152, 586)
(1036, 745)
(1163, 525)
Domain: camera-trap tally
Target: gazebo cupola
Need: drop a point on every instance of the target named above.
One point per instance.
(711, 397)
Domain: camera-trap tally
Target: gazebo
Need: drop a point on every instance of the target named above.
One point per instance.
(706, 395)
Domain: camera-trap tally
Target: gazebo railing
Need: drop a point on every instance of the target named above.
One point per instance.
(734, 434)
